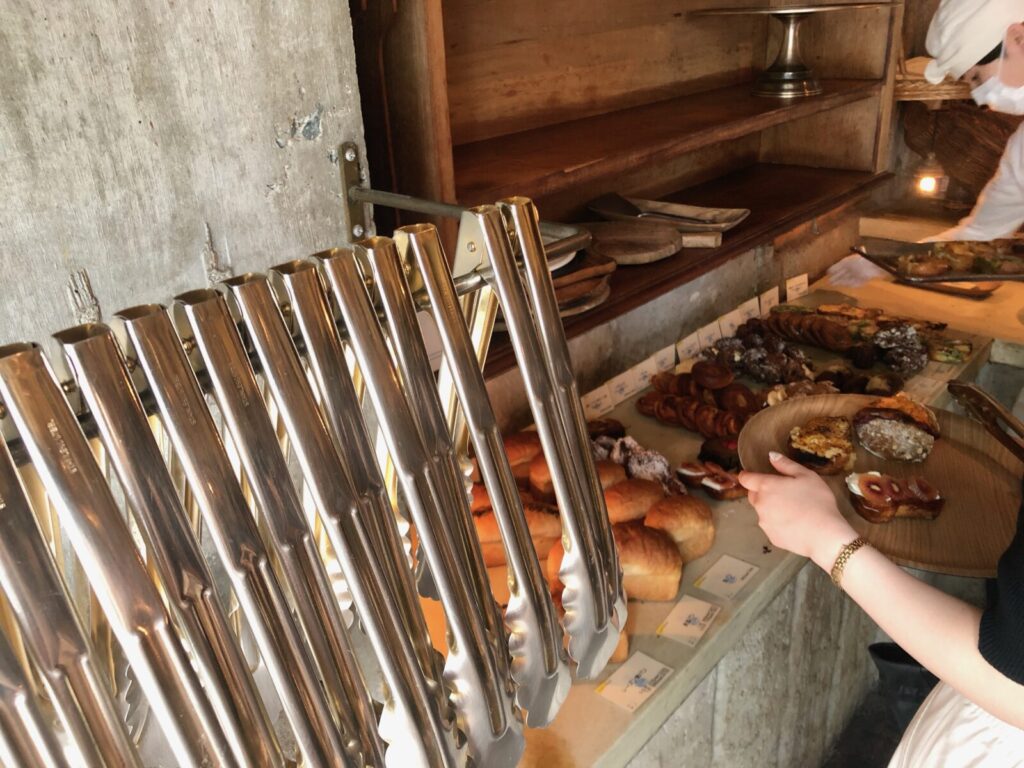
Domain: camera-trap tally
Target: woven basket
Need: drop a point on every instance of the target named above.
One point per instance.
(914, 89)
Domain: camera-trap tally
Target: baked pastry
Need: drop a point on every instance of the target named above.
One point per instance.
(609, 473)
(688, 521)
(721, 485)
(521, 448)
(631, 499)
(480, 500)
(541, 484)
(949, 350)
(605, 428)
(692, 473)
(902, 347)
(879, 498)
(884, 385)
(712, 375)
(722, 451)
(824, 444)
(651, 565)
(542, 520)
(897, 428)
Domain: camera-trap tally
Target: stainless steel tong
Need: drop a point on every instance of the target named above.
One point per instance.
(53, 636)
(363, 536)
(106, 386)
(27, 740)
(539, 664)
(594, 604)
(205, 314)
(99, 534)
(405, 399)
(197, 443)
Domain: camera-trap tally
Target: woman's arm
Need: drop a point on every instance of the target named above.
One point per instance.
(798, 512)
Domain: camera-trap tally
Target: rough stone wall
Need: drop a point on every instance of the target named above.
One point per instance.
(153, 144)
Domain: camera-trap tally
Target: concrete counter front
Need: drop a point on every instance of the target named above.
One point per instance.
(780, 670)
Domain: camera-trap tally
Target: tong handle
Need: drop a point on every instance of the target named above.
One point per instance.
(991, 414)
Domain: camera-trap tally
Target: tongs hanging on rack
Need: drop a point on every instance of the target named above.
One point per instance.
(101, 539)
(362, 532)
(53, 636)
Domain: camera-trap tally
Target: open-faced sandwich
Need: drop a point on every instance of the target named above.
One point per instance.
(879, 498)
(897, 428)
(824, 444)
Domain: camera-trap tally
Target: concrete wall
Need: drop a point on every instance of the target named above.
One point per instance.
(152, 142)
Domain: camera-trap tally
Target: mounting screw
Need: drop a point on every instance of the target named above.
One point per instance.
(350, 154)
(188, 344)
(471, 246)
(3, 410)
(358, 231)
(68, 387)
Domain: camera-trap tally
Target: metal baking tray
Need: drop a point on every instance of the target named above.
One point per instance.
(886, 254)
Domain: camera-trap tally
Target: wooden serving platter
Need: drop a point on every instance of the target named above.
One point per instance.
(979, 478)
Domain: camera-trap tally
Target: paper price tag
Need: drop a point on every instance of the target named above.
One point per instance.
(646, 370)
(708, 335)
(597, 402)
(633, 683)
(688, 348)
(730, 322)
(796, 287)
(726, 577)
(625, 385)
(688, 621)
(769, 299)
(749, 310)
(665, 359)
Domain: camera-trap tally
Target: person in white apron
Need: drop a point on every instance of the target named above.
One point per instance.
(982, 43)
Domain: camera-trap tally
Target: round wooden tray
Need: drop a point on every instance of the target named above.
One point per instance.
(980, 479)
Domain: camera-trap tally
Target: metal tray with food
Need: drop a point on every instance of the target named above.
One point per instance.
(963, 261)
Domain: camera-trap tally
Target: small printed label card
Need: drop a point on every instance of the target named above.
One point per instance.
(688, 621)
(665, 359)
(769, 299)
(625, 385)
(749, 310)
(728, 323)
(689, 347)
(645, 370)
(633, 683)
(597, 402)
(709, 334)
(727, 577)
(796, 287)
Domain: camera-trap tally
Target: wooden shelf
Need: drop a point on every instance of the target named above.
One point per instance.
(779, 197)
(546, 160)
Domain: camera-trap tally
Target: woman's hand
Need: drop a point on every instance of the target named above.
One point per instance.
(798, 512)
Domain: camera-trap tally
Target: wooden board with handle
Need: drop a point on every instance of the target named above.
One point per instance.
(979, 478)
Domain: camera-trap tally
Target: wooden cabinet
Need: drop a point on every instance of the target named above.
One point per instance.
(563, 100)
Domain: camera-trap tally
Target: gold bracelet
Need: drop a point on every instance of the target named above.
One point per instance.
(845, 553)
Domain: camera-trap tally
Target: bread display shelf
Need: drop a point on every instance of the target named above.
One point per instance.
(592, 731)
(547, 160)
(780, 197)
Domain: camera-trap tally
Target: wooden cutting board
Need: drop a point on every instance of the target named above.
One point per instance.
(979, 478)
(634, 242)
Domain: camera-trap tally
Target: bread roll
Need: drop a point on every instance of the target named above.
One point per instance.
(542, 520)
(481, 501)
(630, 499)
(494, 551)
(541, 484)
(522, 446)
(688, 521)
(651, 565)
(609, 473)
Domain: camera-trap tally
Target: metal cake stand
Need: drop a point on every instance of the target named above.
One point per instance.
(788, 77)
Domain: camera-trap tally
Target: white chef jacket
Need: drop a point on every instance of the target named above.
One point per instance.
(999, 211)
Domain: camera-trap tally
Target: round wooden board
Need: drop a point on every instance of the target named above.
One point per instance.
(634, 242)
(980, 479)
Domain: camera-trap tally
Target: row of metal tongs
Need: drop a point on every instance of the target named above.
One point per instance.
(253, 388)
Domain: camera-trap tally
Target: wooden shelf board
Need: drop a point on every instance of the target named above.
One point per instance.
(547, 160)
(779, 197)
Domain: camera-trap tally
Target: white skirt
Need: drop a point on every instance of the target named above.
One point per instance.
(949, 731)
